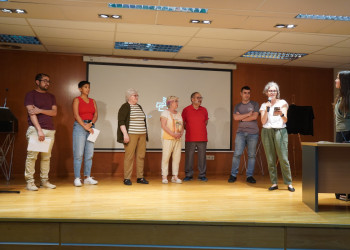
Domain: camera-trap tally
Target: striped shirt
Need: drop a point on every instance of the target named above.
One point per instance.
(137, 120)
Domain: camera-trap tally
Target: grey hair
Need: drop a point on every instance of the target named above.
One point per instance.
(272, 84)
(129, 93)
(170, 99)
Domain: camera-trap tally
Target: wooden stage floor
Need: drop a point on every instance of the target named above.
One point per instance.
(193, 215)
(212, 201)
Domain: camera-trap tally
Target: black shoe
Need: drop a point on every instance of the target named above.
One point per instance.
(292, 189)
(232, 179)
(203, 178)
(142, 181)
(250, 179)
(127, 182)
(273, 188)
(187, 178)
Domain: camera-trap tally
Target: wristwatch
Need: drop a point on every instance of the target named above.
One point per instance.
(282, 115)
(93, 124)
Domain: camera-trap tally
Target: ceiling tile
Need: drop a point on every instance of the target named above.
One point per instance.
(77, 50)
(74, 34)
(236, 34)
(307, 39)
(11, 29)
(65, 24)
(157, 29)
(13, 20)
(334, 51)
(77, 43)
(222, 44)
(156, 39)
(295, 48)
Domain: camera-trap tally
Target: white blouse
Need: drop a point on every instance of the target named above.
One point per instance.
(274, 121)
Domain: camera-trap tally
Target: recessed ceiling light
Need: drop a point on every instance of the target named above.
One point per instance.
(194, 21)
(273, 55)
(116, 16)
(103, 16)
(6, 10)
(206, 21)
(291, 26)
(20, 11)
(280, 26)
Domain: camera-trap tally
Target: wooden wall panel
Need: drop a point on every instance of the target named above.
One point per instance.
(304, 86)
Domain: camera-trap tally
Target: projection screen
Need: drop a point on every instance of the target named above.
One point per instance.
(154, 83)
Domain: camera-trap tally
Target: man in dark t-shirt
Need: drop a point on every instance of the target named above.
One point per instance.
(41, 107)
(246, 112)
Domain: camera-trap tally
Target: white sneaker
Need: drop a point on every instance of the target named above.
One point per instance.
(31, 186)
(165, 181)
(77, 182)
(47, 184)
(90, 180)
(177, 180)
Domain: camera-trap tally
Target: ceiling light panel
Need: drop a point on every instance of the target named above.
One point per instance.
(323, 17)
(147, 47)
(157, 8)
(273, 55)
(19, 39)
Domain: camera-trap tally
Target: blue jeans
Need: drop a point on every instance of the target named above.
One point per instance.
(82, 147)
(244, 139)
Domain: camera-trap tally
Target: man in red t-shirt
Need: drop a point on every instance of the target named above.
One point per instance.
(195, 119)
(41, 107)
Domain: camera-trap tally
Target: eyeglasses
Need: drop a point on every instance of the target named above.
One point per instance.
(199, 97)
(46, 81)
(272, 91)
(135, 95)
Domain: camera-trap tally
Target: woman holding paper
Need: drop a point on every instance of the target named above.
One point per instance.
(85, 114)
(274, 135)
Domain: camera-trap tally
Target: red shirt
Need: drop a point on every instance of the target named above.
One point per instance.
(195, 120)
(86, 110)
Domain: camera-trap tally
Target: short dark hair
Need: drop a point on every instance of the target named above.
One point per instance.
(82, 83)
(40, 76)
(245, 88)
(193, 94)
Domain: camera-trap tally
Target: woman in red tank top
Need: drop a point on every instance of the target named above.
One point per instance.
(85, 114)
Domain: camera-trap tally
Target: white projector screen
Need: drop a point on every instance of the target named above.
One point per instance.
(154, 83)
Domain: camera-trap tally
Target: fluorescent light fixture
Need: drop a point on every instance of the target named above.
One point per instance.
(3, 0)
(273, 55)
(19, 39)
(323, 17)
(147, 47)
(159, 8)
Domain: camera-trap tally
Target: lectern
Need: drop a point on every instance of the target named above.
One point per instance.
(8, 131)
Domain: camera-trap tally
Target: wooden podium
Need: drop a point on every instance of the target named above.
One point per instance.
(326, 169)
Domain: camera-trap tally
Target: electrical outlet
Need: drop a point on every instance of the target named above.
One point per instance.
(210, 157)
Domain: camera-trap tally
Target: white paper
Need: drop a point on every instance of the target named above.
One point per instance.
(93, 137)
(38, 146)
